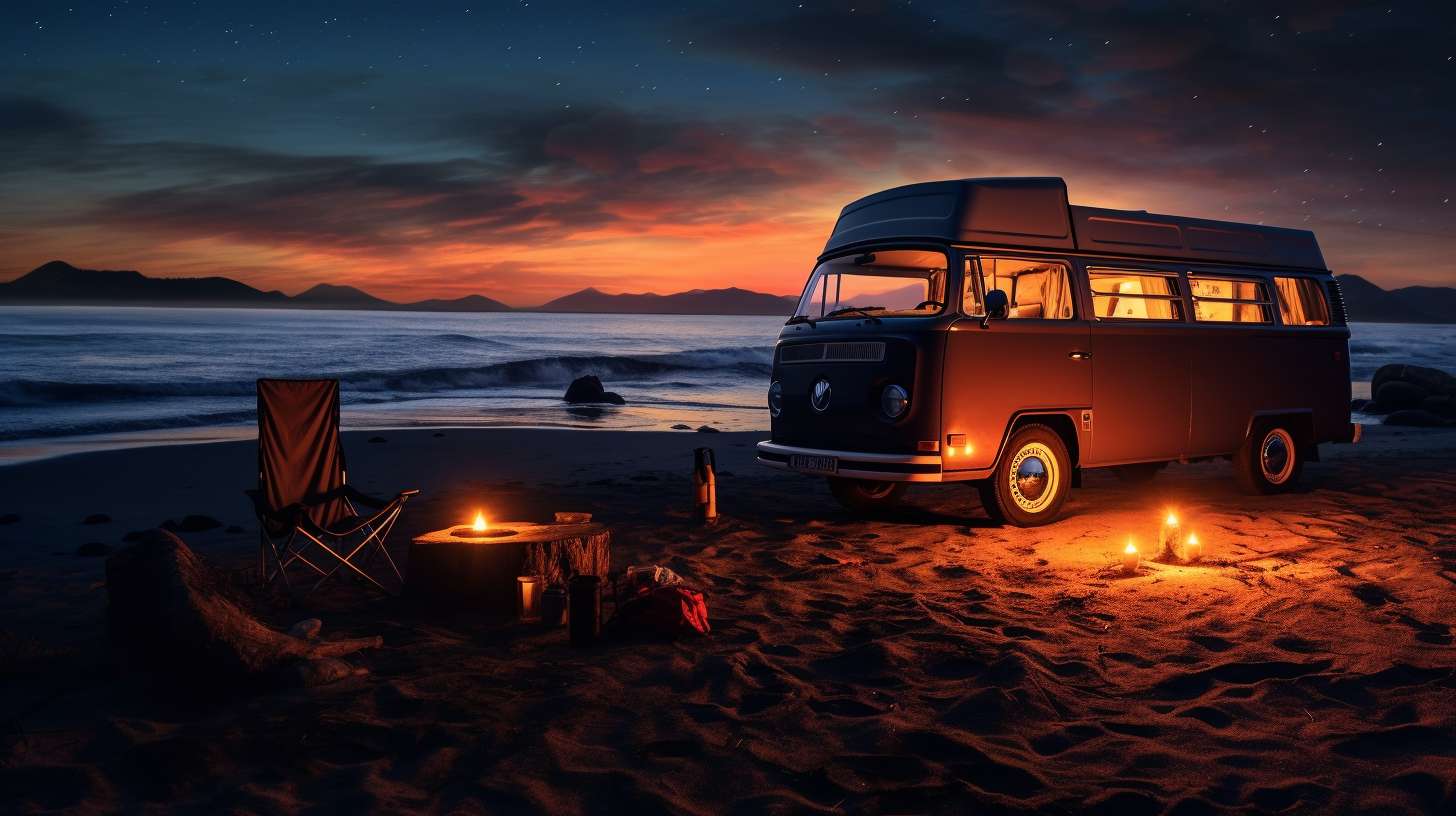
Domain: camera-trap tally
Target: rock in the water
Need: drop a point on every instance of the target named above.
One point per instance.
(93, 549)
(169, 608)
(682, 427)
(97, 518)
(10, 518)
(191, 524)
(1416, 418)
(707, 429)
(1432, 380)
(589, 389)
(1397, 394)
(1440, 404)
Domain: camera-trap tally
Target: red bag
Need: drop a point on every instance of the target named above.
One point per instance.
(659, 603)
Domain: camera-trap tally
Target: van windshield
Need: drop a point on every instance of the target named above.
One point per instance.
(890, 283)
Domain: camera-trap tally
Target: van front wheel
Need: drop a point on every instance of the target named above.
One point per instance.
(1270, 460)
(1032, 479)
(865, 496)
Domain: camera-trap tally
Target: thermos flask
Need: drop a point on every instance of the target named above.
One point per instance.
(553, 606)
(584, 609)
(705, 482)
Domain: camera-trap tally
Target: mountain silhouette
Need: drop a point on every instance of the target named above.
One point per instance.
(697, 301)
(1410, 304)
(58, 283)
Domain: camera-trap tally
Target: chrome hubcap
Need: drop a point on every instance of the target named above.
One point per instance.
(1034, 477)
(1276, 456)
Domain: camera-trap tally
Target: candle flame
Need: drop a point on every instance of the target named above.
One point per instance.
(1131, 548)
(479, 526)
(1172, 520)
(1193, 538)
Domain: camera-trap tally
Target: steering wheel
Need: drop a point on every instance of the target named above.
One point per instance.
(922, 304)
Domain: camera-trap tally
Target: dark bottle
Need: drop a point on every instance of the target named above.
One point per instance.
(705, 482)
(585, 609)
(553, 606)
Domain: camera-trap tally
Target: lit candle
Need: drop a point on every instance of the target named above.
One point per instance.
(479, 526)
(1170, 537)
(1193, 548)
(1130, 558)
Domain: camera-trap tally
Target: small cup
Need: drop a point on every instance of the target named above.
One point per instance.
(528, 598)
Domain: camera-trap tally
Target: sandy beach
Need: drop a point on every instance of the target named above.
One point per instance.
(930, 662)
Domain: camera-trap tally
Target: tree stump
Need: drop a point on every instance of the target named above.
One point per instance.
(480, 573)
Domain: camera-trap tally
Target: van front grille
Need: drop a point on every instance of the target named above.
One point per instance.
(860, 352)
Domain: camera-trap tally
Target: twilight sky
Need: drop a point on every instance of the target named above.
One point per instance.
(525, 150)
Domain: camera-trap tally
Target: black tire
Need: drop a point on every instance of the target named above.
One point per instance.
(1141, 473)
(1270, 460)
(865, 496)
(1038, 454)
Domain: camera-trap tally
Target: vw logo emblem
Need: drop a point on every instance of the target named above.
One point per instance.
(819, 397)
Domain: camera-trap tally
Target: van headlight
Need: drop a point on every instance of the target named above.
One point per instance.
(775, 399)
(894, 401)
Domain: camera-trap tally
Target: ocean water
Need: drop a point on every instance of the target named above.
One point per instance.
(90, 377)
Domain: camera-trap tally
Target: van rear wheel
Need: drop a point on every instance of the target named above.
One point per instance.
(866, 496)
(1032, 479)
(1270, 460)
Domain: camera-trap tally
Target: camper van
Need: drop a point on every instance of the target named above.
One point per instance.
(986, 331)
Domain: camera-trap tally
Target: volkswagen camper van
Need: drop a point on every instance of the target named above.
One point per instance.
(986, 331)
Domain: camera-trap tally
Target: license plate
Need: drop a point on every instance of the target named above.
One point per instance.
(814, 464)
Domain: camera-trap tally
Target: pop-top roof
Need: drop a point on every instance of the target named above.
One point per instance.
(1034, 213)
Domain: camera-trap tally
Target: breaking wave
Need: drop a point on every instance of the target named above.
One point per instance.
(555, 371)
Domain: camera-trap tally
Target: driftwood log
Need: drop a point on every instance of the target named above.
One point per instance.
(166, 605)
(481, 573)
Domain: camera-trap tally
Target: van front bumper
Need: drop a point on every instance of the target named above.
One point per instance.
(880, 467)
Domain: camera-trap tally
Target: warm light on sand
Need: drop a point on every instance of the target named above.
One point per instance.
(479, 526)
(1130, 557)
(1193, 548)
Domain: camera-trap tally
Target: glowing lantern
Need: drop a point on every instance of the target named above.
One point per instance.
(1193, 548)
(1130, 558)
(1170, 537)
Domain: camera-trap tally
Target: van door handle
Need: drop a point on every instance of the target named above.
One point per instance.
(1080, 355)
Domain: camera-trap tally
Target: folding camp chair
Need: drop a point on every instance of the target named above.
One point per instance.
(308, 514)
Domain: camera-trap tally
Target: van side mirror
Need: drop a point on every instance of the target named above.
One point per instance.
(998, 306)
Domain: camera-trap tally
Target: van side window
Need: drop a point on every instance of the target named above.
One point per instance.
(1229, 300)
(1302, 302)
(1124, 294)
(971, 303)
(1038, 290)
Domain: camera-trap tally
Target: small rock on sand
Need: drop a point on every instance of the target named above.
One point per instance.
(375, 440)
(97, 518)
(191, 524)
(438, 434)
(682, 427)
(707, 429)
(1416, 418)
(93, 549)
